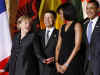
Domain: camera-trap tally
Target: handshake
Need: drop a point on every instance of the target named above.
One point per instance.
(48, 61)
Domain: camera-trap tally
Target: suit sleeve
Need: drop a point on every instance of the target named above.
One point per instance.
(37, 48)
(97, 56)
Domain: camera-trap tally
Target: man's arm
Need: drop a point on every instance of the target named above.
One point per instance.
(37, 48)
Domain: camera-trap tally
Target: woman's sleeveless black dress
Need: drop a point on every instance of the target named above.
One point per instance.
(68, 43)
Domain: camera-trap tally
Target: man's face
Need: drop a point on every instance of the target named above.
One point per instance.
(91, 10)
(48, 20)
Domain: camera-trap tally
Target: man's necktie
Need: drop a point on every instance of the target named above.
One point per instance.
(47, 37)
(89, 31)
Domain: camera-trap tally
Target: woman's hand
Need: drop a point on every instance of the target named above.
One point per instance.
(58, 67)
(63, 68)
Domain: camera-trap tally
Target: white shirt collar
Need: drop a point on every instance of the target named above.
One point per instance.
(95, 19)
(94, 22)
(51, 30)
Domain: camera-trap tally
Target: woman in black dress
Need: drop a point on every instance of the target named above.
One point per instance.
(69, 41)
(23, 60)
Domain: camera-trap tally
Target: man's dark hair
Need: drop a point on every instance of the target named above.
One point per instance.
(52, 12)
(95, 2)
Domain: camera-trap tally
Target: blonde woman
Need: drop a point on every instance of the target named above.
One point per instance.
(22, 60)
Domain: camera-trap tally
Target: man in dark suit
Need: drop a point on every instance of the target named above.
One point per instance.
(92, 34)
(46, 44)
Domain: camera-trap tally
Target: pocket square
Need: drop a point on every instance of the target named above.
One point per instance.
(97, 26)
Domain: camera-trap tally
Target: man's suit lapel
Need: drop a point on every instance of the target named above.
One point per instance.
(51, 37)
(43, 38)
(86, 31)
(96, 26)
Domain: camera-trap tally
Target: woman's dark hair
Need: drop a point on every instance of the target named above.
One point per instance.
(69, 11)
(60, 7)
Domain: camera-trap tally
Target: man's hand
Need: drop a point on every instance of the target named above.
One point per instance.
(48, 61)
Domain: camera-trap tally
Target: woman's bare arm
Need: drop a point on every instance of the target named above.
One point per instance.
(78, 39)
(58, 46)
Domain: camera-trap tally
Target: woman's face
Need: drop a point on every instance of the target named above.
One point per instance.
(61, 14)
(25, 25)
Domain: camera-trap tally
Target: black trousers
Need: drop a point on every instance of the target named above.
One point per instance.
(47, 70)
(89, 70)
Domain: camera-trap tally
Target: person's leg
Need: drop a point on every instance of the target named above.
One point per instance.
(89, 70)
(41, 68)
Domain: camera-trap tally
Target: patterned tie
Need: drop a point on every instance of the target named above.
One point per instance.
(47, 37)
(89, 31)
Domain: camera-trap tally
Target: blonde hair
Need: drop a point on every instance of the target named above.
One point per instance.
(21, 18)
